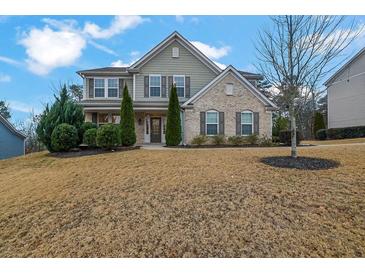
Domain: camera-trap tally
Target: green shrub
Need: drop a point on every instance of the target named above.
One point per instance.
(252, 139)
(64, 110)
(321, 134)
(265, 142)
(318, 123)
(64, 137)
(347, 132)
(173, 125)
(108, 136)
(275, 139)
(127, 130)
(84, 127)
(285, 137)
(90, 137)
(218, 139)
(199, 140)
(279, 123)
(236, 140)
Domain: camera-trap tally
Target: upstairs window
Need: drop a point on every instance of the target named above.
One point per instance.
(99, 88)
(175, 52)
(155, 85)
(246, 123)
(212, 122)
(179, 81)
(112, 87)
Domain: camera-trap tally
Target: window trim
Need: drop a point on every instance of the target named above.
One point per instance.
(252, 130)
(149, 84)
(174, 82)
(106, 87)
(206, 122)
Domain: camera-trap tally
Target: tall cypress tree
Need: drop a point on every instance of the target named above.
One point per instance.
(127, 130)
(173, 126)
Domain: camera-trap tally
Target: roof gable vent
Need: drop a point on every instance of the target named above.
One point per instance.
(175, 52)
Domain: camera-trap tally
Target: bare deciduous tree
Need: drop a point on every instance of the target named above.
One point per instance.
(298, 52)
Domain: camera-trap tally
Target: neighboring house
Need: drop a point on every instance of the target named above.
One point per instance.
(213, 101)
(346, 94)
(11, 140)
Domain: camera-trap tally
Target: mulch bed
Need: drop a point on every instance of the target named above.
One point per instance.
(89, 152)
(234, 146)
(304, 163)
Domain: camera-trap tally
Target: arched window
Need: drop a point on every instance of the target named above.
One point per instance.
(246, 123)
(212, 122)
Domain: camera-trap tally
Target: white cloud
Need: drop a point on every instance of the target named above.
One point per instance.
(4, 78)
(9, 61)
(61, 42)
(120, 63)
(103, 48)
(119, 24)
(211, 51)
(135, 53)
(179, 18)
(220, 65)
(48, 49)
(22, 107)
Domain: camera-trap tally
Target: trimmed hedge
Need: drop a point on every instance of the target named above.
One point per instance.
(285, 137)
(90, 137)
(84, 127)
(321, 134)
(199, 140)
(108, 136)
(64, 137)
(347, 132)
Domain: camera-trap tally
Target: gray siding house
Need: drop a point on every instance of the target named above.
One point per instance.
(346, 94)
(213, 101)
(11, 140)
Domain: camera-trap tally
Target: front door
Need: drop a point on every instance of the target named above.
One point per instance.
(155, 130)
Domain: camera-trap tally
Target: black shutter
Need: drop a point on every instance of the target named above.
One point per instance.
(91, 87)
(238, 123)
(163, 86)
(171, 80)
(121, 87)
(256, 123)
(221, 123)
(94, 117)
(202, 123)
(146, 86)
(187, 87)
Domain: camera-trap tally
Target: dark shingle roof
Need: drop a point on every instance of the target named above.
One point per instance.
(250, 75)
(105, 70)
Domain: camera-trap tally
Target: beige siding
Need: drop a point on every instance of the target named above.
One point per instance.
(216, 99)
(346, 96)
(187, 64)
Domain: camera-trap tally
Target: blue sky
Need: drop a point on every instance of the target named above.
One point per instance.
(37, 53)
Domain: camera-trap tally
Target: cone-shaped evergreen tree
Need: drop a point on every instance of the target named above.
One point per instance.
(318, 122)
(127, 130)
(173, 126)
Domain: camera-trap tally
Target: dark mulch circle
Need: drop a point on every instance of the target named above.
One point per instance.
(304, 163)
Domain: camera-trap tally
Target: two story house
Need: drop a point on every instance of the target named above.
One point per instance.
(213, 101)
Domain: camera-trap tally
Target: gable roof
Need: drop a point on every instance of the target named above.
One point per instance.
(175, 36)
(11, 128)
(348, 63)
(243, 80)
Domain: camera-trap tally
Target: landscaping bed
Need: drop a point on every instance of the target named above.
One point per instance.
(89, 152)
(304, 163)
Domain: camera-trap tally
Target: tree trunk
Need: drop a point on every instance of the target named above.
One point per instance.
(293, 129)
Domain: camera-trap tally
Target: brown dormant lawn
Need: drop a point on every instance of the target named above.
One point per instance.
(183, 203)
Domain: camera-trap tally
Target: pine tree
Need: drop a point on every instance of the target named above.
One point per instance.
(127, 130)
(318, 122)
(173, 126)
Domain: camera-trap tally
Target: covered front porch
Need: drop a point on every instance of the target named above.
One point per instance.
(150, 125)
